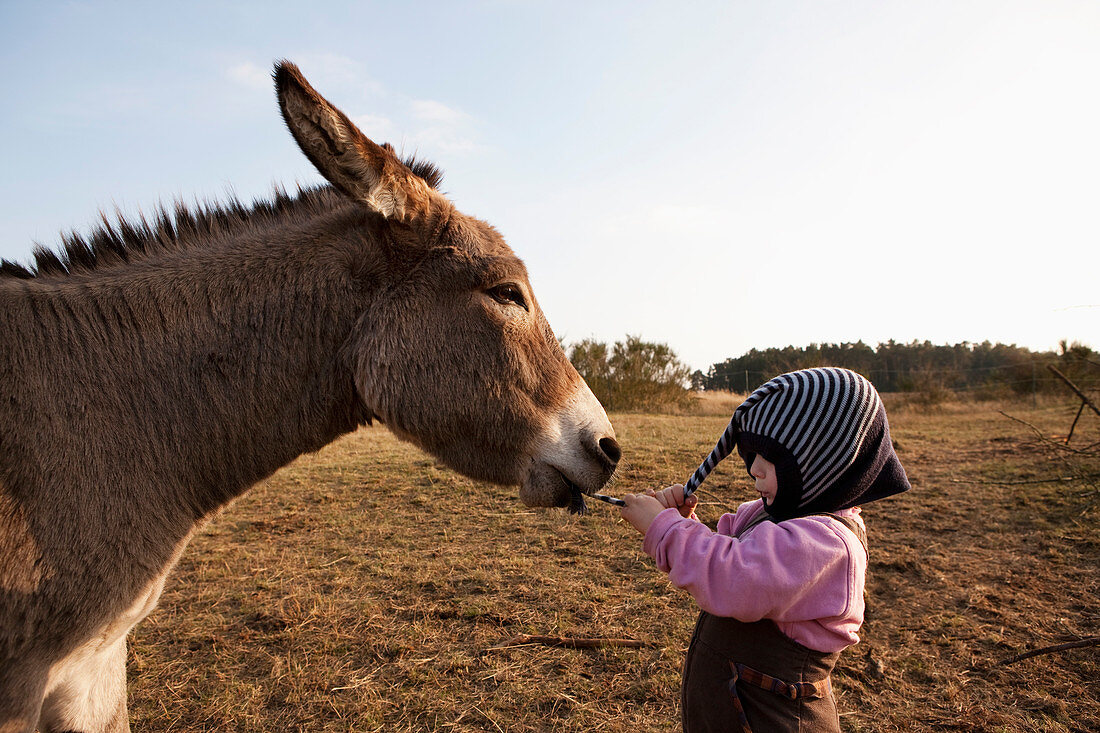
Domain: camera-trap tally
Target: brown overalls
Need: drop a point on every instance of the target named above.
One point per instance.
(749, 677)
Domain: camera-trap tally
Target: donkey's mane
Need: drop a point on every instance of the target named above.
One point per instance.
(178, 227)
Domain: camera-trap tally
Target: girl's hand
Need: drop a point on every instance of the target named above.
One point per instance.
(672, 497)
(640, 510)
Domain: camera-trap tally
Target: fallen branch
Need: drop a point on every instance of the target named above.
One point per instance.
(1062, 447)
(1091, 641)
(572, 642)
(1053, 480)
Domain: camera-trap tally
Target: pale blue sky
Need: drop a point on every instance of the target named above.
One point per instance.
(715, 176)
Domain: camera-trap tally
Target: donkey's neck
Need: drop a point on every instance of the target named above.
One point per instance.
(209, 369)
(265, 379)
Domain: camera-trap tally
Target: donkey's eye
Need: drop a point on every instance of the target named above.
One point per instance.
(508, 294)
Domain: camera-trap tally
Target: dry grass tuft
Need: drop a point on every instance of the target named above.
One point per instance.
(711, 403)
(359, 588)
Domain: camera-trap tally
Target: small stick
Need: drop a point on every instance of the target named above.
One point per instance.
(1074, 425)
(573, 642)
(1091, 641)
(608, 499)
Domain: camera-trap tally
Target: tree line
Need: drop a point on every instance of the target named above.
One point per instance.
(917, 366)
(634, 374)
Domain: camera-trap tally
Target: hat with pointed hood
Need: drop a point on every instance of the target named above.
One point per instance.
(826, 432)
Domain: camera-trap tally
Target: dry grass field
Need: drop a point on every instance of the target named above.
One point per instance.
(364, 588)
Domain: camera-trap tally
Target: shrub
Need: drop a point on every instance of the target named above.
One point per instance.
(633, 374)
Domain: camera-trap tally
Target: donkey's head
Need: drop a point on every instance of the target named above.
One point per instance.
(452, 352)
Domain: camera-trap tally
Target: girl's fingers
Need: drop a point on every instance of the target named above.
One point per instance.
(688, 507)
(671, 497)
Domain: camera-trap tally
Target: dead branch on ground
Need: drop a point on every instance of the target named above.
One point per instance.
(1052, 480)
(572, 642)
(1057, 445)
(1077, 461)
(1091, 641)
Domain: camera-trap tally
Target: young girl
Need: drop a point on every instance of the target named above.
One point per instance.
(780, 584)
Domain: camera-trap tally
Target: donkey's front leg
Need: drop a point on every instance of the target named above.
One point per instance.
(88, 692)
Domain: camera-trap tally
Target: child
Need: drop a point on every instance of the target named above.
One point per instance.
(780, 584)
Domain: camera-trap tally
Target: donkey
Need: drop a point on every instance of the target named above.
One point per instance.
(154, 371)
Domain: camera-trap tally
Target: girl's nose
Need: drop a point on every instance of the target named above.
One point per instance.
(756, 470)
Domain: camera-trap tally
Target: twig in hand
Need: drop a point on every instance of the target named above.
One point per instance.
(573, 642)
(1091, 641)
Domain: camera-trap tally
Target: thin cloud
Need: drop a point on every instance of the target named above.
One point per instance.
(428, 124)
(430, 110)
(250, 75)
(445, 141)
(444, 128)
(665, 220)
(377, 128)
(335, 72)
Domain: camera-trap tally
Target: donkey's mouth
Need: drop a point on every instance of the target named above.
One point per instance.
(576, 496)
(547, 485)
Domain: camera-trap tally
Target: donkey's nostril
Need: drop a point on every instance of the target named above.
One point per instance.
(611, 449)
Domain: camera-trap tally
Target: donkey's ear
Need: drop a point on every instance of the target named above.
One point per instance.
(368, 173)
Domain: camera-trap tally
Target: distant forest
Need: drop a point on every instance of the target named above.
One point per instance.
(917, 367)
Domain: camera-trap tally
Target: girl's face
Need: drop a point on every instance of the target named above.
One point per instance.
(763, 471)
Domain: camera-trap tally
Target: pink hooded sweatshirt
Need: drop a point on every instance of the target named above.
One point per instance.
(805, 574)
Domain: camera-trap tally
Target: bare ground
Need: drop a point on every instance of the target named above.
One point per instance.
(363, 587)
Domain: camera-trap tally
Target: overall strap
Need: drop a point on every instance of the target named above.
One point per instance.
(789, 690)
(855, 527)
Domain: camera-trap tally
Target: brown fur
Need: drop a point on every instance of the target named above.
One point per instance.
(151, 374)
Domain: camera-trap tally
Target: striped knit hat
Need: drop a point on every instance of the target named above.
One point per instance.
(826, 432)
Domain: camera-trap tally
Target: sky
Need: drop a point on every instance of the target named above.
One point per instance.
(715, 176)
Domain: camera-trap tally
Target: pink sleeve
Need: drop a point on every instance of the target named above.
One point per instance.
(799, 570)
